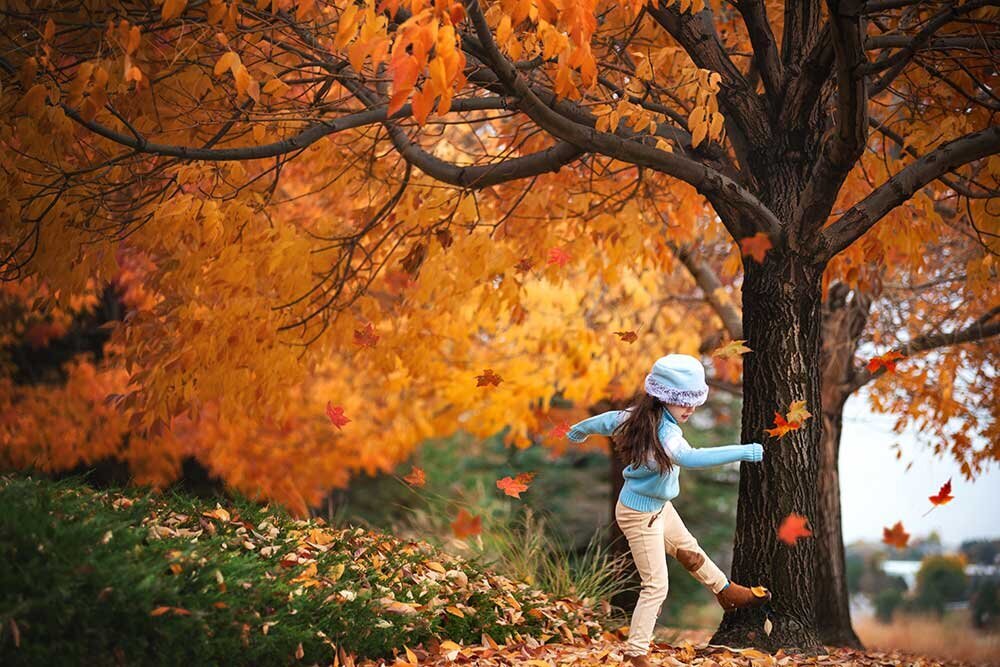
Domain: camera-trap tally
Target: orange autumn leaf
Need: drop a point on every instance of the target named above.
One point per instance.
(177, 611)
(466, 525)
(336, 414)
(797, 412)
(560, 430)
(756, 246)
(896, 536)
(887, 361)
(488, 378)
(417, 477)
(943, 496)
(792, 528)
(781, 426)
(512, 486)
(627, 336)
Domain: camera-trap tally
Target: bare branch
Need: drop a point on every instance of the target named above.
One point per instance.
(986, 326)
(898, 189)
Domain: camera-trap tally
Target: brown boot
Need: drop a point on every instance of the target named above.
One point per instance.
(638, 661)
(735, 596)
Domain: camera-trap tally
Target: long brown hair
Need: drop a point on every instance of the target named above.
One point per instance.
(637, 437)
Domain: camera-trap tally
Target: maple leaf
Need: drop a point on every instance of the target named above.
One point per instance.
(336, 414)
(887, 361)
(943, 496)
(792, 528)
(896, 536)
(627, 336)
(733, 348)
(524, 265)
(781, 426)
(560, 430)
(366, 337)
(558, 256)
(417, 477)
(756, 246)
(512, 487)
(488, 378)
(797, 412)
(466, 525)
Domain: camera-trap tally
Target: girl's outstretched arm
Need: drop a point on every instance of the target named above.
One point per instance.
(687, 456)
(602, 424)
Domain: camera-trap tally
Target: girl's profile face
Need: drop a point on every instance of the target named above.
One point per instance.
(680, 412)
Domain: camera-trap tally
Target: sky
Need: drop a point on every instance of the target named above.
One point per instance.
(877, 490)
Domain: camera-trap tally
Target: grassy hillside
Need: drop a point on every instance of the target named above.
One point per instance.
(118, 577)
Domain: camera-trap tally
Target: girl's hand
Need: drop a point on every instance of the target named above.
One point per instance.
(754, 452)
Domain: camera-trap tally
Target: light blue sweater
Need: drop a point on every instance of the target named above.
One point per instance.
(645, 489)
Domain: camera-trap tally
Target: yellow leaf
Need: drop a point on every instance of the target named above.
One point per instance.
(336, 572)
(797, 412)
(411, 656)
(436, 566)
(454, 611)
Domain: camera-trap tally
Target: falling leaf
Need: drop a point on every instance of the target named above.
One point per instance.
(756, 246)
(366, 336)
(627, 336)
(417, 477)
(887, 361)
(896, 536)
(299, 652)
(560, 430)
(524, 265)
(466, 525)
(768, 626)
(797, 412)
(781, 426)
(512, 487)
(733, 348)
(792, 528)
(943, 495)
(336, 414)
(558, 256)
(488, 378)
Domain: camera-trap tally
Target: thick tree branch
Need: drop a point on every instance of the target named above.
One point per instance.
(803, 90)
(707, 181)
(986, 326)
(801, 29)
(765, 48)
(844, 146)
(898, 189)
(747, 120)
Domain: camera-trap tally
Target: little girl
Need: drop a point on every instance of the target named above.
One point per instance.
(648, 437)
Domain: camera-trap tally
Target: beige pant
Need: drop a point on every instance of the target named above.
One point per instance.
(652, 535)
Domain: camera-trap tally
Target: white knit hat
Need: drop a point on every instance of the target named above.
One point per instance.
(678, 379)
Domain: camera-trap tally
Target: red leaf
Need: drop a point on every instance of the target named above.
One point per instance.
(558, 256)
(627, 336)
(366, 337)
(417, 477)
(488, 378)
(943, 495)
(524, 265)
(466, 525)
(792, 528)
(896, 536)
(887, 360)
(560, 430)
(336, 414)
(782, 426)
(513, 487)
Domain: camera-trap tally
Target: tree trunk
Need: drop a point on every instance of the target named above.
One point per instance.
(845, 314)
(782, 298)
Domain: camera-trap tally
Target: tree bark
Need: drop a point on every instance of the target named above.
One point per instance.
(782, 299)
(845, 313)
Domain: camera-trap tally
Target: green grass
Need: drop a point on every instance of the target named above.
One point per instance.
(129, 578)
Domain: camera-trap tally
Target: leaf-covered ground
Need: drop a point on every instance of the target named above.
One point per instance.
(116, 578)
